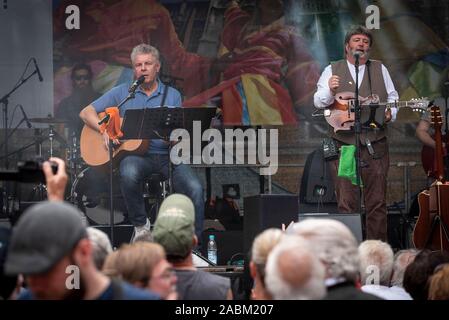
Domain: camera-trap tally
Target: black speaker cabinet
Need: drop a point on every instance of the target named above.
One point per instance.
(122, 233)
(352, 220)
(267, 211)
(400, 230)
(229, 245)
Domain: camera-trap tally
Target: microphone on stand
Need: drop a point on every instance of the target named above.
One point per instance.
(38, 71)
(25, 117)
(356, 56)
(136, 83)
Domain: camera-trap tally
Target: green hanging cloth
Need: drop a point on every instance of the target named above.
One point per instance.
(347, 164)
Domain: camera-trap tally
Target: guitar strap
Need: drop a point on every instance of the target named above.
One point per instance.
(164, 95)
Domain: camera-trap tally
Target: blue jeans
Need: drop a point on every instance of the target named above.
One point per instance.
(134, 169)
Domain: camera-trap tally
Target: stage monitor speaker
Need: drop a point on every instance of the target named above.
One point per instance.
(267, 211)
(316, 181)
(122, 233)
(352, 220)
(400, 230)
(229, 245)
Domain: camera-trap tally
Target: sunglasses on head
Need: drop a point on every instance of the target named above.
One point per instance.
(81, 77)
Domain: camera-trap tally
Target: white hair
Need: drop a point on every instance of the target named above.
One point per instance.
(144, 48)
(101, 246)
(334, 244)
(402, 259)
(293, 272)
(376, 262)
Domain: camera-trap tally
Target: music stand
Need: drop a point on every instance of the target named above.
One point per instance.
(158, 123)
(373, 116)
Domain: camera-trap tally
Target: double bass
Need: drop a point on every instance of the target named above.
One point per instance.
(432, 227)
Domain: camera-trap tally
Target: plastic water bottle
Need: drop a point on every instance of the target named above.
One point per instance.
(212, 249)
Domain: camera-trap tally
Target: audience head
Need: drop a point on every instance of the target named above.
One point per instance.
(174, 228)
(100, 244)
(376, 262)
(417, 274)
(293, 272)
(262, 246)
(48, 239)
(439, 283)
(334, 244)
(110, 265)
(402, 259)
(144, 265)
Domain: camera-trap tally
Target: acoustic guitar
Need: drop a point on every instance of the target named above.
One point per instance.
(432, 227)
(95, 154)
(340, 115)
(428, 158)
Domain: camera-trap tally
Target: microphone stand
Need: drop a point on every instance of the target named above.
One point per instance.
(357, 131)
(4, 101)
(105, 119)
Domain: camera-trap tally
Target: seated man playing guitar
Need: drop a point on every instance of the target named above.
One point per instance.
(374, 80)
(134, 168)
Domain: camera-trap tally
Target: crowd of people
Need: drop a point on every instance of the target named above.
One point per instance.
(52, 254)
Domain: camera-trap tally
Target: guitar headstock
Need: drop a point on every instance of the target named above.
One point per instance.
(419, 104)
(435, 116)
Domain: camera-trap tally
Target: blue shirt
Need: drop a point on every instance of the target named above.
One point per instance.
(117, 94)
(129, 292)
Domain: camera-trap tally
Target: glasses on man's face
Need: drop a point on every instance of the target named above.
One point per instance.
(79, 78)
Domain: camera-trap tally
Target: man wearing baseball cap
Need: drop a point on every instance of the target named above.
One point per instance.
(174, 229)
(50, 247)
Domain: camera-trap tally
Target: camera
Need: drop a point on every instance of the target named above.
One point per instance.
(27, 171)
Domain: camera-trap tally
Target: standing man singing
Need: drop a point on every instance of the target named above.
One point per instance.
(374, 79)
(135, 168)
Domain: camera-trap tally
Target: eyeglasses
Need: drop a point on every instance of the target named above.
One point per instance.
(78, 78)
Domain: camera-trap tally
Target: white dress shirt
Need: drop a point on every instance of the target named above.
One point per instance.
(323, 97)
(387, 293)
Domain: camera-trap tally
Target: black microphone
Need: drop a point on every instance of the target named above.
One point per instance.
(136, 83)
(357, 54)
(25, 117)
(38, 71)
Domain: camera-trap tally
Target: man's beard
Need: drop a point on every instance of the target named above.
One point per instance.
(362, 54)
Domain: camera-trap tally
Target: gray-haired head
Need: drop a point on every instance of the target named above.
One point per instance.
(294, 272)
(144, 48)
(376, 262)
(334, 244)
(101, 246)
(402, 259)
